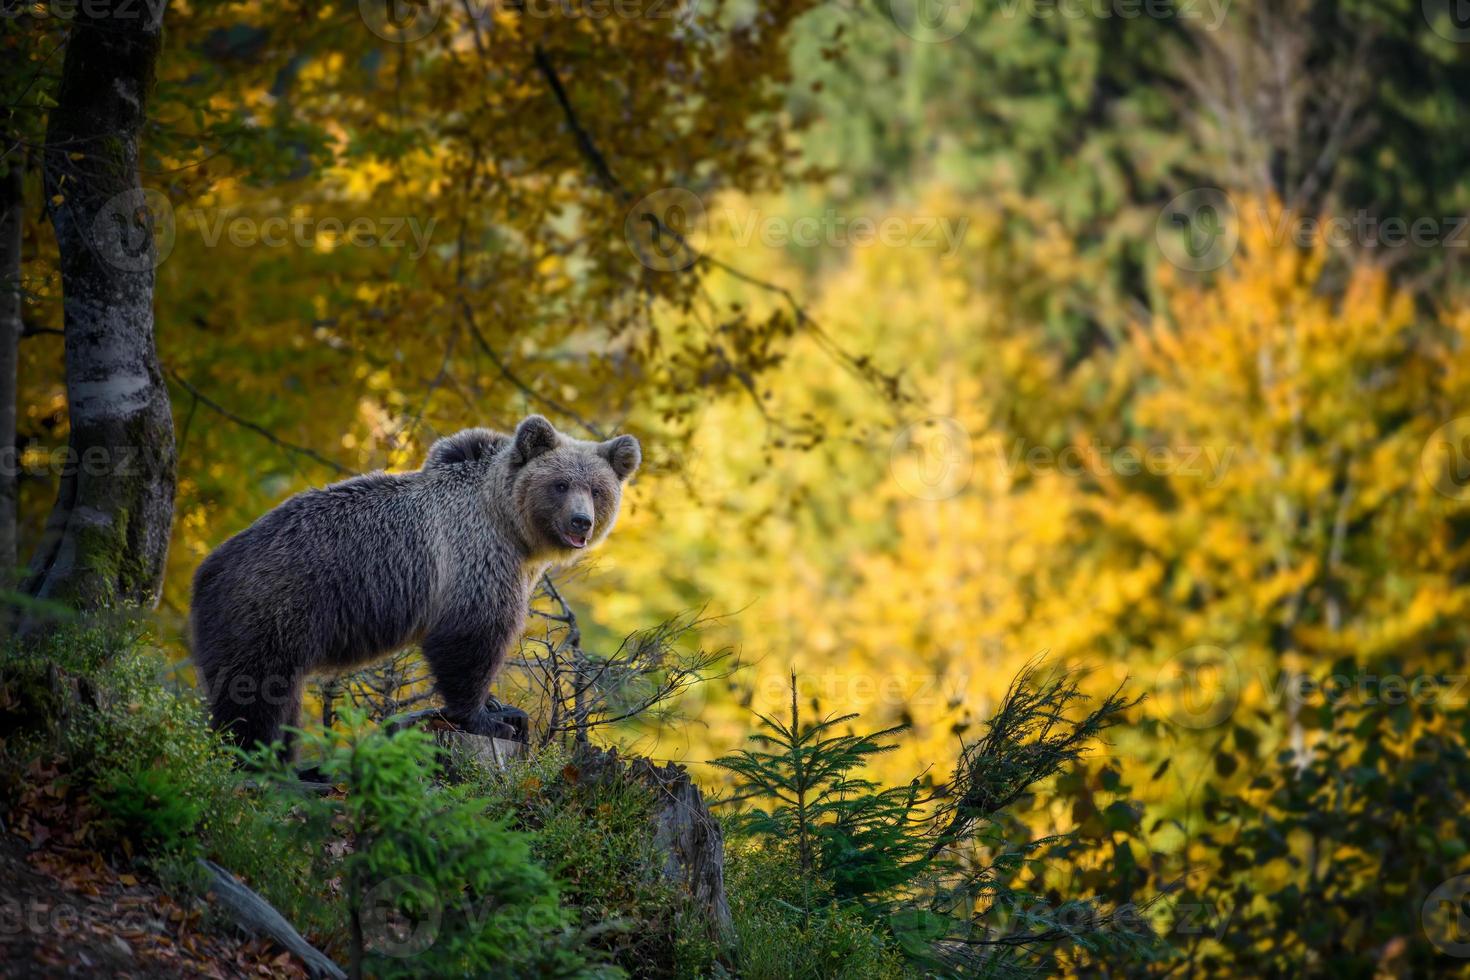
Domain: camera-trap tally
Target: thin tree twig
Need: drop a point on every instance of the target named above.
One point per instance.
(527, 390)
(255, 427)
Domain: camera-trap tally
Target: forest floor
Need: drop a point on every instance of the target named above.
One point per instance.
(66, 911)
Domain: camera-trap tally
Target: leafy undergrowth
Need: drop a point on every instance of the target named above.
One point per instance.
(396, 870)
(66, 910)
(112, 788)
(546, 868)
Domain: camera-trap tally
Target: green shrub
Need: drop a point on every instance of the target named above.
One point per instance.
(99, 700)
(138, 745)
(777, 939)
(591, 824)
(431, 885)
(1363, 840)
(937, 876)
(158, 772)
(152, 807)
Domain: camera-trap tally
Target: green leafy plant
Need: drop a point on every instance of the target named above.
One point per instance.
(151, 806)
(592, 824)
(857, 836)
(1363, 838)
(789, 926)
(430, 884)
(947, 873)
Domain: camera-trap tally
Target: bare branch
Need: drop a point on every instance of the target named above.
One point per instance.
(258, 429)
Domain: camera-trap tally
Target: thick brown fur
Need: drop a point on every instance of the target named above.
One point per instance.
(445, 557)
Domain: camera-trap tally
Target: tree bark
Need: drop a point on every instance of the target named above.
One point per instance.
(258, 917)
(683, 831)
(11, 203)
(106, 540)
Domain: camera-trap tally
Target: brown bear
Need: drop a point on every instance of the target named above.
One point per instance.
(446, 557)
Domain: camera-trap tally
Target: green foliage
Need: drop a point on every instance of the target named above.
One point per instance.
(98, 695)
(1030, 738)
(1351, 841)
(138, 746)
(430, 884)
(591, 824)
(141, 720)
(847, 830)
(947, 877)
(152, 806)
(778, 937)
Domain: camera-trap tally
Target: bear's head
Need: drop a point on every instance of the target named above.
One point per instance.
(567, 491)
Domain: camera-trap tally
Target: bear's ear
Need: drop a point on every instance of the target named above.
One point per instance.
(623, 454)
(534, 436)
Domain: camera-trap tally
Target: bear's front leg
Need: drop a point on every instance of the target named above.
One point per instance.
(464, 662)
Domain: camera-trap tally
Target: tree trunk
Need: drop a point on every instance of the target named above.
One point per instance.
(11, 203)
(107, 537)
(258, 917)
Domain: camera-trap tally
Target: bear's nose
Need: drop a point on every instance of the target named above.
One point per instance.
(581, 523)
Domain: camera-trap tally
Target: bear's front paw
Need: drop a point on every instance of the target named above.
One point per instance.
(497, 720)
(514, 718)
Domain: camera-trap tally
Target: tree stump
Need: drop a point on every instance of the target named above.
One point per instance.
(460, 749)
(684, 830)
(463, 750)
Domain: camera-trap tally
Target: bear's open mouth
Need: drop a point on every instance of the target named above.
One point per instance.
(575, 540)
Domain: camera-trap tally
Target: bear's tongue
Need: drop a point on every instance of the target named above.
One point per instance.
(575, 540)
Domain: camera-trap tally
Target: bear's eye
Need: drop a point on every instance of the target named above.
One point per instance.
(596, 494)
(563, 486)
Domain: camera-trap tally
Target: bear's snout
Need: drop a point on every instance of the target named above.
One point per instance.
(578, 530)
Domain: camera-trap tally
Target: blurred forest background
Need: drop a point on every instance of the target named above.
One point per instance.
(1127, 336)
